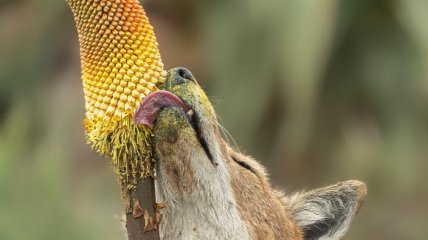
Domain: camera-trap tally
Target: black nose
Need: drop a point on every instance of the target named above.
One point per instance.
(184, 73)
(178, 76)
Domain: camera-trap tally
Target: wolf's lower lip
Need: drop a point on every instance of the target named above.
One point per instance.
(153, 103)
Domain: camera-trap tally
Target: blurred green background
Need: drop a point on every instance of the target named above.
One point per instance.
(318, 91)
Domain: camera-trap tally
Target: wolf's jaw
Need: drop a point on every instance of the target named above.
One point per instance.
(205, 210)
(199, 198)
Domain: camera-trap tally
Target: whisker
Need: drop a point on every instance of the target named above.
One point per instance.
(228, 136)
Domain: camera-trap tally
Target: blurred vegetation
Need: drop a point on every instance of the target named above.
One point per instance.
(318, 91)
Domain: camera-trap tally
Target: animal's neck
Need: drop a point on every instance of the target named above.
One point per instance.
(207, 214)
(201, 205)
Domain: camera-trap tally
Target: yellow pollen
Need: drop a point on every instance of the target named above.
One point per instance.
(121, 64)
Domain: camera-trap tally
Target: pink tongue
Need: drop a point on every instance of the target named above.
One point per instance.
(153, 103)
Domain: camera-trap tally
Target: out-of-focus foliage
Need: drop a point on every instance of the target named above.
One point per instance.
(318, 91)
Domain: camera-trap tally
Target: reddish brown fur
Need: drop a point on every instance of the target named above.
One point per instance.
(252, 188)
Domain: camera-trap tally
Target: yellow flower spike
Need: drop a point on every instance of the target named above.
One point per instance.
(121, 64)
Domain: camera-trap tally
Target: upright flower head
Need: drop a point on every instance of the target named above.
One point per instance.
(121, 64)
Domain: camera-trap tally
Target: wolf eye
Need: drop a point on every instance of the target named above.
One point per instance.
(244, 165)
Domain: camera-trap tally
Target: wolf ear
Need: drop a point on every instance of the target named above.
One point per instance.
(327, 212)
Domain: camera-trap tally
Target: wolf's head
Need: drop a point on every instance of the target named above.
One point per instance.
(213, 192)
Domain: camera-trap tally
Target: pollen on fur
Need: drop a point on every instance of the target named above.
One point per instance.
(121, 64)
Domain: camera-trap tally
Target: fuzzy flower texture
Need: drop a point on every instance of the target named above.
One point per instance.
(121, 65)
